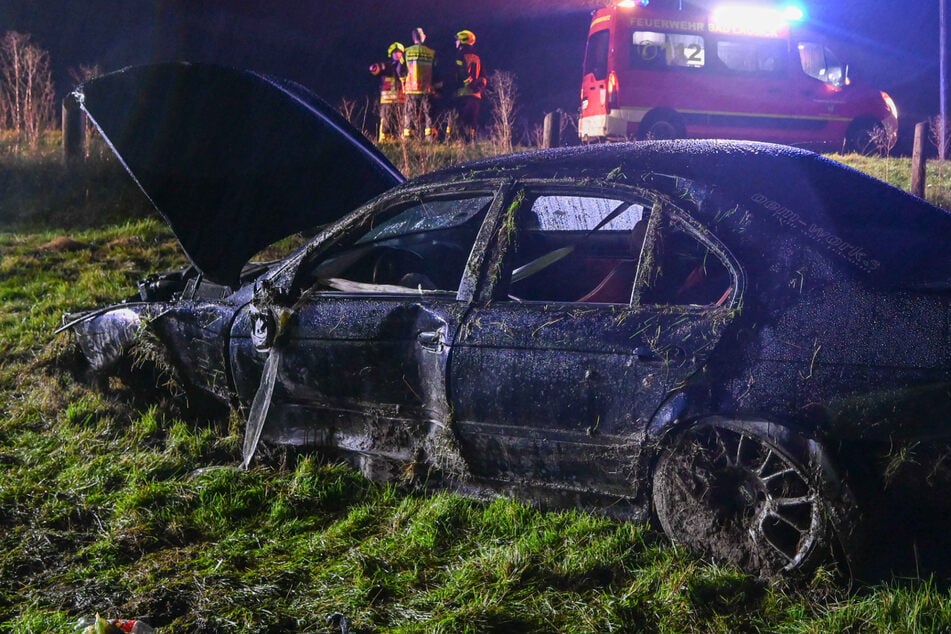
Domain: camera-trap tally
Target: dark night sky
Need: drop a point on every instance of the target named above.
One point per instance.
(327, 44)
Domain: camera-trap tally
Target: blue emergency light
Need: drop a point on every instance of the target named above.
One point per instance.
(793, 13)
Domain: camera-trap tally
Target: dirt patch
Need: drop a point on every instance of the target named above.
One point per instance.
(121, 243)
(62, 244)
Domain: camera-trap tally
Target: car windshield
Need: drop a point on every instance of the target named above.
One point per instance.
(422, 245)
(821, 63)
(431, 215)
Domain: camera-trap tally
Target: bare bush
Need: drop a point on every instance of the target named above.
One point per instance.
(880, 144)
(567, 124)
(356, 114)
(26, 88)
(502, 93)
(534, 136)
(939, 134)
(84, 73)
(881, 141)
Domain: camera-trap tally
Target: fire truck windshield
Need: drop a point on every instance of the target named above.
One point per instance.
(821, 63)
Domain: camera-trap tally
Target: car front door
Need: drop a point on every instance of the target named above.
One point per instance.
(364, 348)
(605, 302)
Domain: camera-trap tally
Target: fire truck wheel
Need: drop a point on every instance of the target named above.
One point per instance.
(662, 126)
(867, 138)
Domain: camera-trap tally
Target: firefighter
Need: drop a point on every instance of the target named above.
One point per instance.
(392, 74)
(419, 88)
(468, 86)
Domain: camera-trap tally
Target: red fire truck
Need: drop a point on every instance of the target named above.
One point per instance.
(739, 72)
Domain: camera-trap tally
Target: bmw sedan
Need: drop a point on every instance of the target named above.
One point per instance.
(709, 333)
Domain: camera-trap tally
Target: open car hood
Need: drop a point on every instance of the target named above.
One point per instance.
(233, 160)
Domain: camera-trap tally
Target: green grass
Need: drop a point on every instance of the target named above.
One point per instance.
(414, 158)
(897, 171)
(136, 507)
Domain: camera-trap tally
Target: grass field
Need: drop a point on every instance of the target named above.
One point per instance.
(126, 505)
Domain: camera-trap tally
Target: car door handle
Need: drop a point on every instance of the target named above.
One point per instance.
(431, 340)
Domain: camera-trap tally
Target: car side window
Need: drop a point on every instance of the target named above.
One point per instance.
(680, 268)
(753, 55)
(419, 246)
(577, 248)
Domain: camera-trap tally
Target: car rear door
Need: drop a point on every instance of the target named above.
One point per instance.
(552, 383)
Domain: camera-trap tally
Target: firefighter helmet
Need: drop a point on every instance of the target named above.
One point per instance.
(395, 46)
(466, 37)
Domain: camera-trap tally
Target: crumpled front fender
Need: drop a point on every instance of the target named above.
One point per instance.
(106, 336)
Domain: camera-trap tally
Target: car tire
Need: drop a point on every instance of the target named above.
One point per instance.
(754, 495)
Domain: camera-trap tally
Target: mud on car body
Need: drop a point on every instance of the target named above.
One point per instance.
(707, 331)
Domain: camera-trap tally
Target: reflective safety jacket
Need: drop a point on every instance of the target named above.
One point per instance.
(392, 75)
(469, 79)
(420, 60)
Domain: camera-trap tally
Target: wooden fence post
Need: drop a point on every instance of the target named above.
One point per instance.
(74, 131)
(551, 130)
(918, 161)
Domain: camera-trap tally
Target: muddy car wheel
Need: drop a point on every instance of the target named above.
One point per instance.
(736, 494)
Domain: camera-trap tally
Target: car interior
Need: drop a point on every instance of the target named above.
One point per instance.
(559, 261)
(422, 248)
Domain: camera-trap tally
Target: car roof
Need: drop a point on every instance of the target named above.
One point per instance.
(236, 160)
(822, 201)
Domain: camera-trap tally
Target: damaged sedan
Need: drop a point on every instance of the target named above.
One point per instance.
(705, 332)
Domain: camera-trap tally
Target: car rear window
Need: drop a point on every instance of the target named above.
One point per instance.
(583, 213)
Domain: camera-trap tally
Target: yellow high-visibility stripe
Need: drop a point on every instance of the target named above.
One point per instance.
(764, 115)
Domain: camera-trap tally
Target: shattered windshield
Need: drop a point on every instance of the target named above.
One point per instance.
(429, 215)
(419, 245)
